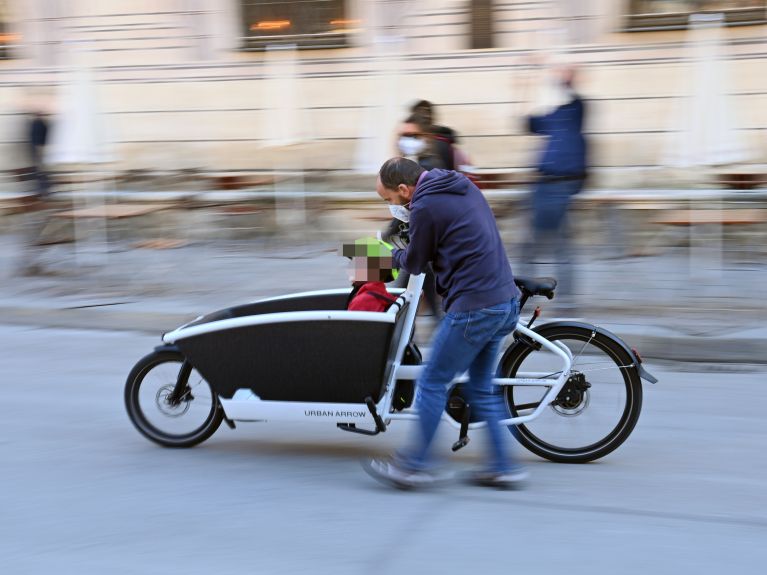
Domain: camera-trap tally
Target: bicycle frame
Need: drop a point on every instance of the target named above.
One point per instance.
(528, 379)
(413, 372)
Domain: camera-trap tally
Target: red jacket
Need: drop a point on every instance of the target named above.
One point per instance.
(371, 296)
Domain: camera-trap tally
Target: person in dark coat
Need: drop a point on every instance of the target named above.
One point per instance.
(417, 142)
(38, 207)
(561, 173)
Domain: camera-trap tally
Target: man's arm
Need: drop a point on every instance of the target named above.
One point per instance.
(537, 124)
(422, 245)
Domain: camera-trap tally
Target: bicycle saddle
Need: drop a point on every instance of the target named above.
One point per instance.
(536, 286)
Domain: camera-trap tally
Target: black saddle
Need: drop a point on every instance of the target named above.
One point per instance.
(536, 286)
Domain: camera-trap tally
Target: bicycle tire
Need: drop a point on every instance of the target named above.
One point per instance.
(140, 418)
(614, 351)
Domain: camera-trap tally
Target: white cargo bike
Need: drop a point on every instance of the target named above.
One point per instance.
(573, 390)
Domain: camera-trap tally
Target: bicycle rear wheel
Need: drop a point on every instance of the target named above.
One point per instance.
(597, 408)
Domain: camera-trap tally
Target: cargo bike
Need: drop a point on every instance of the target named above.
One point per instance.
(573, 391)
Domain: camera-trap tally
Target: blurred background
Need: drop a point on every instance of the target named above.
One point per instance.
(161, 159)
(246, 128)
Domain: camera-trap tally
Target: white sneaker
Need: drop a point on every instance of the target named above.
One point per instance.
(388, 473)
(514, 479)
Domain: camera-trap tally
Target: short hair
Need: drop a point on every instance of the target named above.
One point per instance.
(420, 121)
(396, 171)
(422, 104)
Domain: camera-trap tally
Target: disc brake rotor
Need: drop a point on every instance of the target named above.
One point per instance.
(166, 407)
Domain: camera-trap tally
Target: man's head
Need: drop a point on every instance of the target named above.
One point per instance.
(397, 179)
(566, 74)
(371, 261)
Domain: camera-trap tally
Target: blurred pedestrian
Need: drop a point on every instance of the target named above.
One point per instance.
(37, 207)
(415, 142)
(446, 138)
(425, 109)
(452, 226)
(561, 173)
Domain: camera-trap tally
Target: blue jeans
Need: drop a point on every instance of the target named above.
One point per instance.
(550, 235)
(464, 341)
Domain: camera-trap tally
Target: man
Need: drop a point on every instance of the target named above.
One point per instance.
(561, 175)
(452, 226)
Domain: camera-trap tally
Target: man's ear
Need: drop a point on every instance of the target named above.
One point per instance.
(406, 191)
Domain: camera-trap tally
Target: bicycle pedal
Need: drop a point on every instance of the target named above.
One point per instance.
(461, 443)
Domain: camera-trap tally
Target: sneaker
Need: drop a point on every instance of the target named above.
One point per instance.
(514, 479)
(387, 472)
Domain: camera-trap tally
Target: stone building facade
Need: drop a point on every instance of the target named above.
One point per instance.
(215, 85)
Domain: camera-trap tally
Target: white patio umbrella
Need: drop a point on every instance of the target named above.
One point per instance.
(375, 140)
(79, 141)
(380, 119)
(287, 134)
(704, 131)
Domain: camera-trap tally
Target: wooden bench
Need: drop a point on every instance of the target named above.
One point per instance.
(732, 219)
(15, 203)
(121, 212)
(114, 211)
(724, 217)
(496, 180)
(742, 181)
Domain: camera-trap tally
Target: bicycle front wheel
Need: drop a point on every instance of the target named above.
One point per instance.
(148, 400)
(597, 408)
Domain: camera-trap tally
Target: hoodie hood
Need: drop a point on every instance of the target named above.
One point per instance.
(441, 182)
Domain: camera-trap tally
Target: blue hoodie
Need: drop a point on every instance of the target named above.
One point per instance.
(452, 226)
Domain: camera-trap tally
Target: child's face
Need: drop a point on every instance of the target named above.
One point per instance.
(370, 269)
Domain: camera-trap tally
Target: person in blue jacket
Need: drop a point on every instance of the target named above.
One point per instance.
(562, 171)
(452, 226)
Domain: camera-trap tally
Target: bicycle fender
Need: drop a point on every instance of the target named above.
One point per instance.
(541, 329)
(167, 347)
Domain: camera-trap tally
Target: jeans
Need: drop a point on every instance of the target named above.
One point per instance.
(464, 341)
(551, 235)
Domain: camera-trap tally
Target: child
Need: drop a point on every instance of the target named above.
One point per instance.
(371, 266)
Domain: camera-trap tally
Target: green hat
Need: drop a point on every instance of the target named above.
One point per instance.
(369, 247)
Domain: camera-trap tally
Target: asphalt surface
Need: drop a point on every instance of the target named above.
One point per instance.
(82, 492)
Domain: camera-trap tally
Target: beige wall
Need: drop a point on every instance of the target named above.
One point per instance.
(176, 93)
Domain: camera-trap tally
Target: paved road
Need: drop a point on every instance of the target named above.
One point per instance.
(82, 492)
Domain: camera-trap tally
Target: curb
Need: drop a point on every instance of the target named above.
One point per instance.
(652, 342)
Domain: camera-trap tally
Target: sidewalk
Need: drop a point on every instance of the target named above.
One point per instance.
(665, 305)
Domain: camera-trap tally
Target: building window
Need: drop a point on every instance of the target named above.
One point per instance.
(303, 23)
(7, 38)
(674, 14)
(481, 24)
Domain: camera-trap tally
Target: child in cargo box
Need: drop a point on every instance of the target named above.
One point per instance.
(371, 267)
